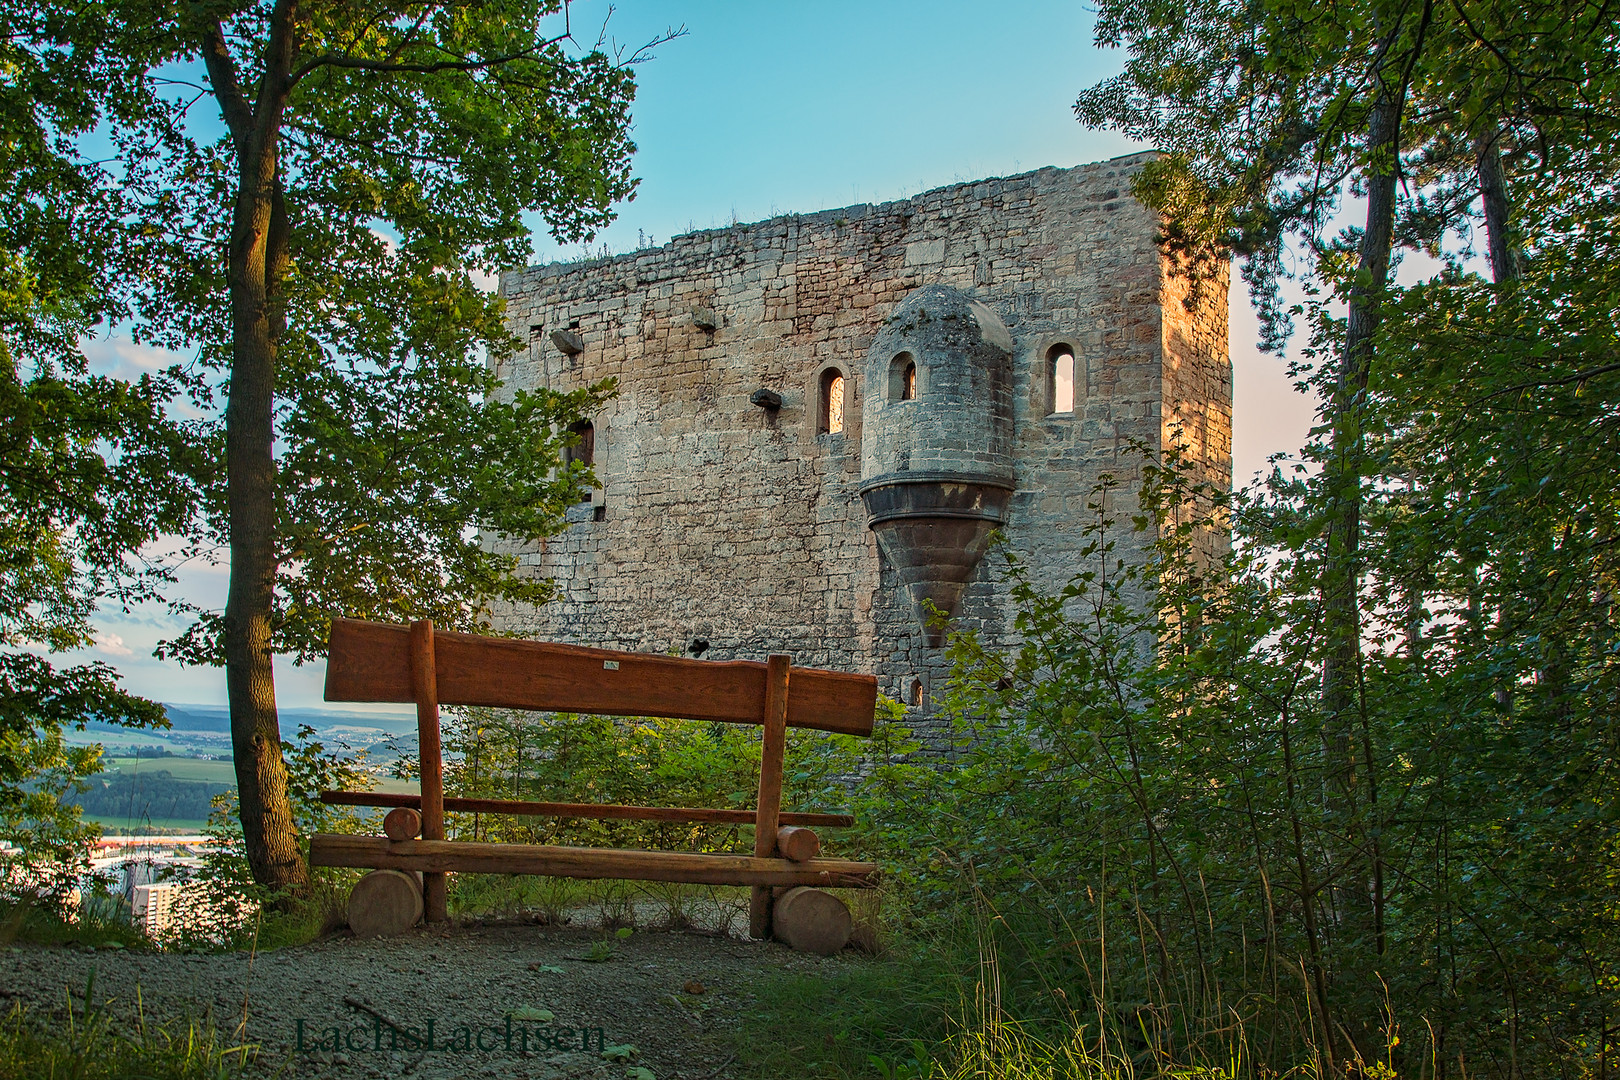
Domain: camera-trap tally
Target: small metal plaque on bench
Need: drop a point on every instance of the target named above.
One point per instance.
(610, 665)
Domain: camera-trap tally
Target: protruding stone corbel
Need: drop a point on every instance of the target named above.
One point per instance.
(766, 399)
(568, 341)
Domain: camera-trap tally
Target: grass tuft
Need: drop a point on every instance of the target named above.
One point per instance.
(857, 1017)
(99, 923)
(88, 1044)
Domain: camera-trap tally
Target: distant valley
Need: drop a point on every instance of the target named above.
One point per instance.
(162, 780)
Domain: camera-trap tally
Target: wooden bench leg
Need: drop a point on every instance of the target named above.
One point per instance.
(425, 683)
(777, 669)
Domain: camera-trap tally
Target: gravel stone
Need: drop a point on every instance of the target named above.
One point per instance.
(468, 975)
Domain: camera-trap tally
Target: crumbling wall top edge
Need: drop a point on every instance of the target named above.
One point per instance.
(838, 215)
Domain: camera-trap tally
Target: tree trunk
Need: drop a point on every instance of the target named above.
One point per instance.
(257, 267)
(1341, 573)
(261, 774)
(1356, 870)
(1494, 200)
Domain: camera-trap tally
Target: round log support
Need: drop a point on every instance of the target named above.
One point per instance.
(385, 903)
(811, 920)
(402, 823)
(797, 844)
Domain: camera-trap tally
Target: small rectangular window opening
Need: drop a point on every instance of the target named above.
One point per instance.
(903, 378)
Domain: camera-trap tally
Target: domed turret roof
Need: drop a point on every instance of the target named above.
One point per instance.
(946, 311)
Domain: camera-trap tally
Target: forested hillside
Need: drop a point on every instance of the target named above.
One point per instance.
(154, 795)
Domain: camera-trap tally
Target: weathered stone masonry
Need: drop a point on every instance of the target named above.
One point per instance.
(732, 529)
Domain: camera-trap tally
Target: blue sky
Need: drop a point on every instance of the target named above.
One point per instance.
(769, 108)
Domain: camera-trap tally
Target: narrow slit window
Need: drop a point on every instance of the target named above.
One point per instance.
(832, 402)
(909, 393)
(583, 451)
(1060, 372)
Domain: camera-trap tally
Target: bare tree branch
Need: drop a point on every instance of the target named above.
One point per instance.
(361, 63)
(1542, 384)
(644, 53)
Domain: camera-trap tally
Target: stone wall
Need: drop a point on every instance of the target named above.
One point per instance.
(731, 530)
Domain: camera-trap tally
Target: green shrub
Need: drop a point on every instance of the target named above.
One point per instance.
(223, 908)
(46, 852)
(1152, 809)
(538, 757)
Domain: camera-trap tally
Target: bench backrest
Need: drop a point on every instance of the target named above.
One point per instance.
(372, 662)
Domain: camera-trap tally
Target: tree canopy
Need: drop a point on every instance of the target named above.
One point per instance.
(308, 191)
(92, 468)
(1410, 662)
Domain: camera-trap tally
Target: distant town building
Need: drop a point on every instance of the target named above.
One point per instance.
(150, 874)
(152, 907)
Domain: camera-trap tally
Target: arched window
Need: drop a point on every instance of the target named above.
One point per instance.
(1060, 371)
(914, 693)
(903, 378)
(832, 402)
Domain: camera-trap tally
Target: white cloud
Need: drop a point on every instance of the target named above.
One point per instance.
(112, 644)
(121, 358)
(389, 241)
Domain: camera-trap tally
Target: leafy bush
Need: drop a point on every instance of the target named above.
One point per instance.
(1169, 836)
(221, 906)
(502, 754)
(46, 851)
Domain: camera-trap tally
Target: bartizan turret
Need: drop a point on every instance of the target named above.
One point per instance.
(937, 442)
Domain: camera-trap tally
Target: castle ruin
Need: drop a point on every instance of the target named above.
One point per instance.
(823, 419)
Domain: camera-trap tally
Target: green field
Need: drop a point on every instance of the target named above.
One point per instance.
(115, 826)
(180, 742)
(218, 771)
(181, 768)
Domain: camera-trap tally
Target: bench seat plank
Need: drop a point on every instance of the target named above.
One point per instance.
(371, 662)
(603, 811)
(380, 853)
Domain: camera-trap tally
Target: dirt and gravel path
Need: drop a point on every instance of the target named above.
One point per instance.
(513, 1000)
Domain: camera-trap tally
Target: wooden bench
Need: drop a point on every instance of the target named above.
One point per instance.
(379, 662)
